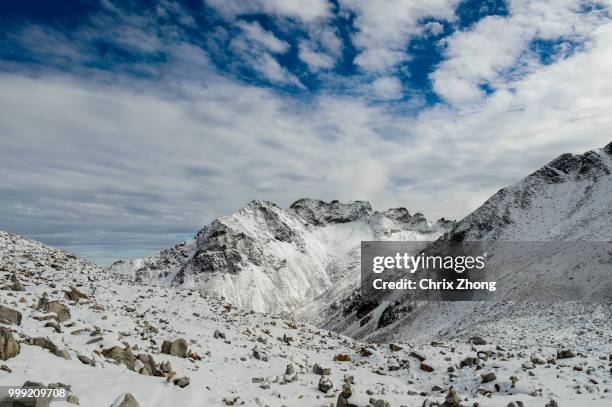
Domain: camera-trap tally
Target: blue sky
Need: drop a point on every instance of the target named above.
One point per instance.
(128, 125)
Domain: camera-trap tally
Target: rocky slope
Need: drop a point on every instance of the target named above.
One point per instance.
(113, 341)
(269, 259)
(569, 199)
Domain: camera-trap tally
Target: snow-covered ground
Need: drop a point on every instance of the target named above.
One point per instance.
(247, 366)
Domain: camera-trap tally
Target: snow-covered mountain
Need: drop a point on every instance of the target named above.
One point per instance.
(269, 259)
(569, 199)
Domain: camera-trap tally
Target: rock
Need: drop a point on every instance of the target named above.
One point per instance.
(395, 348)
(290, 374)
(122, 356)
(259, 354)
(488, 377)
(75, 295)
(537, 359)
(565, 354)
(417, 356)
(9, 347)
(59, 309)
(468, 362)
(477, 340)
(165, 367)
(342, 358)
(9, 316)
(218, 335)
(44, 343)
(452, 399)
(63, 354)
(321, 371)
(125, 400)
(176, 347)
(381, 403)
(73, 399)
(366, 352)
(182, 382)
(344, 395)
(551, 403)
(14, 286)
(427, 368)
(54, 325)
(325, 384)
(149, 368)
(85, 360)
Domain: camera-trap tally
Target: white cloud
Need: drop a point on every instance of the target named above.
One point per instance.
(384, 28)
(255, 33)
(484, 53)
(273, 71)
(316, 61)
(305, 10)
(387, 88)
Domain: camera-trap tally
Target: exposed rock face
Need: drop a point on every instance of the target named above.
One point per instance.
(9, 316)
(176, 347)
(318, 212)
(269, 259)
(9, 347)
(568, 199)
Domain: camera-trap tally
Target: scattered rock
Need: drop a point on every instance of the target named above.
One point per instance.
(122, 356)
(182, 382)
(325, 384)
(427, 368)
(75, 295)
(321, 371)
(488, 377)
(342, 358)
(9, 316)
(9, 347)
(176, 347)
(477, 340)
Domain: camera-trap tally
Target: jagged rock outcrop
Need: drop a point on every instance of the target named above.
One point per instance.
(266, 258)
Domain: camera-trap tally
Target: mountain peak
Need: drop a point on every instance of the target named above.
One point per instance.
(319, 212)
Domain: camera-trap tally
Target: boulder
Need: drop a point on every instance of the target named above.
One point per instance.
(75, 295)
(325, 384)
(123, 356)
(321, 371)
(488, 377)
(182, 382)
(9, 316)
(176, 347)
(477, 340)
(9, 347)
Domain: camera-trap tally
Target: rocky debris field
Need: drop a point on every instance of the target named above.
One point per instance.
(66, 324)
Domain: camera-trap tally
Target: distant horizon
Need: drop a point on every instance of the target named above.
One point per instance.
(127, 125)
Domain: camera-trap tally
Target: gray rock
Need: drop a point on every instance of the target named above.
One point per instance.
(321, 371)
(177, 347)
(488, 377)
(9, 316)
(325, 384)
(477, 340)
(74, 295)
(9, 347)
(182, 382)
(123, 356)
